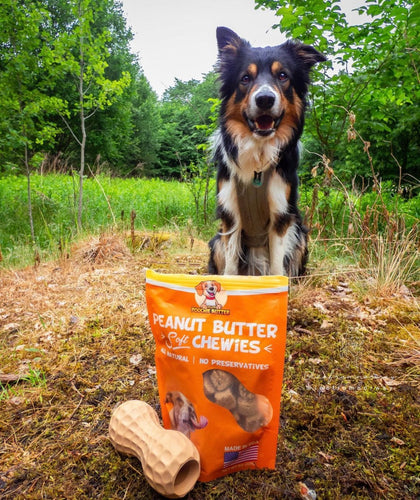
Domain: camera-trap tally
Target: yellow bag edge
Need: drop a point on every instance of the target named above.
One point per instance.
(228, 281)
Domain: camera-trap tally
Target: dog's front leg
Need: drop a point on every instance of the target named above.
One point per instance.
(277, 253)
(287, 248)
(233, 250)
(231, 226)
(279, 237)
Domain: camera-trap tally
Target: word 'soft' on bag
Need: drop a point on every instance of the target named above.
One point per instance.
(220, 348)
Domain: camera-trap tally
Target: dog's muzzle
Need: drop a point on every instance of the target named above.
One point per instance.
(264, 115)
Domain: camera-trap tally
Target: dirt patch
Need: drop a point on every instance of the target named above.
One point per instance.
(75, 336)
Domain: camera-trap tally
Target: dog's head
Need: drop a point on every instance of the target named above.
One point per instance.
(208, 288)
(183, 416)
(263, 89)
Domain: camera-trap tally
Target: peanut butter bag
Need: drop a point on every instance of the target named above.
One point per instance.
(220, 347)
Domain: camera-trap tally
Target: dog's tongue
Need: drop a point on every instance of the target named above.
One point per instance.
(264, 122)
(201, 424)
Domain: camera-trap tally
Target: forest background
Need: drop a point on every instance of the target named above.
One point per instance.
(76, 103)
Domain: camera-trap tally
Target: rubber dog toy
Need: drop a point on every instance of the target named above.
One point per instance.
(170, 461)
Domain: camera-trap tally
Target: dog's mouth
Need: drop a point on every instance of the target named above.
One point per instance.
(195, 423)
(263, 125)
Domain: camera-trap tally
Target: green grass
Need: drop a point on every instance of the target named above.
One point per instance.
(346, 220)
(34, 378)
(335, 211)
(107, 202)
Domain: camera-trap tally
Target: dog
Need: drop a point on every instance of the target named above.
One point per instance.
(182, 415)
(263, 93)
(209, 290)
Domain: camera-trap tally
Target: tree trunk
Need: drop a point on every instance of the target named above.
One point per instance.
(28, 177)
(81, 171)
(83, 130)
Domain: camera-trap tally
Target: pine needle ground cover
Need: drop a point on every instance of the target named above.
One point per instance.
(75, 341)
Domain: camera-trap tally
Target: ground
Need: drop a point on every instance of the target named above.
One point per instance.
(75, 341)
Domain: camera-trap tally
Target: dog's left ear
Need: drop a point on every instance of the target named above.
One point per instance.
(218, 286)
(308, 55)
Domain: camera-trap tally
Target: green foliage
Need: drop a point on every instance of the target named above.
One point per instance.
(185, 107)
(81, 55)
(200, 176)
(25, 104)
(39, 75)
(373, 72)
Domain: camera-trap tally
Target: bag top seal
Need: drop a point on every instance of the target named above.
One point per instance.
(236, 285)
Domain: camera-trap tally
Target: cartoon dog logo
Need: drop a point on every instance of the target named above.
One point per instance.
(209, 294)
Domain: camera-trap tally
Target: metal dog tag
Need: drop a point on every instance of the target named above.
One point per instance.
(258, 180)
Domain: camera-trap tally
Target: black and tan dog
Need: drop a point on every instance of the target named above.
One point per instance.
(263, 94)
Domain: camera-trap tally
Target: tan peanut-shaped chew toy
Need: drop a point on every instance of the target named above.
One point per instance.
(171, 462)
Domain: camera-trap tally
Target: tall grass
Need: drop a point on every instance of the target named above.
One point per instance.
(379, 228)
(375, 232)
(107, 202)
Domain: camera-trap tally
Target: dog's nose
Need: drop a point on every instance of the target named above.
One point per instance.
(265, 100)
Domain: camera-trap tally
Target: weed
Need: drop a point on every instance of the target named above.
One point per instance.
(36, 379)
(376, 231)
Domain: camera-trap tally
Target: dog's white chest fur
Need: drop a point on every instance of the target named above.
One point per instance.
(255, 154)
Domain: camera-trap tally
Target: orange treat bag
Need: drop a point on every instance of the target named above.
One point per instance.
(220, 346)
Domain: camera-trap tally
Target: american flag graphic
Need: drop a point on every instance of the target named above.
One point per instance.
(249, 454)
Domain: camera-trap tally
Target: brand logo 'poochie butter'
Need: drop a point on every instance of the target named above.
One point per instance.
(214, 330)
(210, 298)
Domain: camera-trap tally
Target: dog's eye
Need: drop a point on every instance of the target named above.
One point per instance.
(282, 76)
(245, 79)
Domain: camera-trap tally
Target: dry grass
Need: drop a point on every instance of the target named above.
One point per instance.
(350, 404)
(392, 261)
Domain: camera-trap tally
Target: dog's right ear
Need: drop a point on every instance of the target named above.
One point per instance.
(227, 40)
